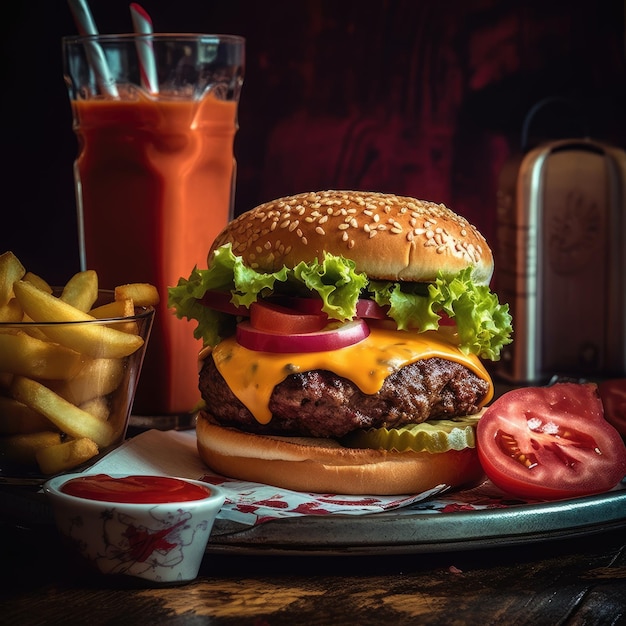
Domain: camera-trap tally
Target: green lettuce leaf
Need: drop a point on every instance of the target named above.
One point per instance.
(335, 281)
(484, 325)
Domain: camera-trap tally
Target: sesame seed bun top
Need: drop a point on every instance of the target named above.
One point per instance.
(389, 237)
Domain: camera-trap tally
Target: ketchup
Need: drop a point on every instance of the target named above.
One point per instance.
(134, 489)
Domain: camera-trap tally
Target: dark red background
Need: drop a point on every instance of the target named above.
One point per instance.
(417, 97)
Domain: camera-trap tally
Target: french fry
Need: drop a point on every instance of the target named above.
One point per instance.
(93, 339)
(39, 282)
(142, 294)
(34, 330)
(117, 308)
(97, 377)
(23, 448)
(27, 356)
(11, 311)
(81, 290)
(6, 379)
(65, 456)
(98, 407)
(10, 270)
(63, 414)
(18, 419)
(62, 395)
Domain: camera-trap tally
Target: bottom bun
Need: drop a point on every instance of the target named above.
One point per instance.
(325, 466)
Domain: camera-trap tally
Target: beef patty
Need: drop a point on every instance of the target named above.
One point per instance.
(319, 403)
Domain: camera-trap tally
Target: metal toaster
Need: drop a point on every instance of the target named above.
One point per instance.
(561, 261)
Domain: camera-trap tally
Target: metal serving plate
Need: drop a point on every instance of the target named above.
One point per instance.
(418, 531)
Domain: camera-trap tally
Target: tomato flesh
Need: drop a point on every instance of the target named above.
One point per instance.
(549, 443)
(280, 319)
(613, 395)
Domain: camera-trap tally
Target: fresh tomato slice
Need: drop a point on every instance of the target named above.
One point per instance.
(310, 306)
(613, 395)
(548, 443)
(221, 301)
(274, 318)
(365, 308)
(334, 336)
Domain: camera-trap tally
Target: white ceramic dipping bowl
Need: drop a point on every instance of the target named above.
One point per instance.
(160, 543)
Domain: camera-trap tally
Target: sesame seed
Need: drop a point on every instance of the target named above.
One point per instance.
(396, 231)
(293, 226)
(351, 244)
(319, 230)
(343, 226)
(372, 233)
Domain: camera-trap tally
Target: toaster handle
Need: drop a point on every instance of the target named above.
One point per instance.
(551, 102)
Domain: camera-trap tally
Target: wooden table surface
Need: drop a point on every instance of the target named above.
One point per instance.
(571, 581)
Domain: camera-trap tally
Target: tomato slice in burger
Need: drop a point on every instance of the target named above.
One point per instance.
(613, 395)
(365, 308)
(334, 336)
(550, 443)
(284, 320)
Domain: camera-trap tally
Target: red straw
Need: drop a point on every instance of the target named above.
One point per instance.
(143, 26)
(95, 55)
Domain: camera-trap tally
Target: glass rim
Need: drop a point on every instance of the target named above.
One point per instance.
(143, 313)
(166, 36)
(146, 312)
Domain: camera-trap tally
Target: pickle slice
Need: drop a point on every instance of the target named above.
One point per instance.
(431, 436)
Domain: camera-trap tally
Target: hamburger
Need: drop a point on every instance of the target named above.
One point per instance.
(344, 334)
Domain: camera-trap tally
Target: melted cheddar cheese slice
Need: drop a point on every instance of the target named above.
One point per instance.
(252, 375)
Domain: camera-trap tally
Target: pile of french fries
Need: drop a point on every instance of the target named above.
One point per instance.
(63, 387)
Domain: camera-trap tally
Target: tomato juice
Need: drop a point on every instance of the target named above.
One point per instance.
(154, 183)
